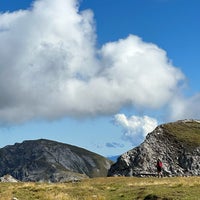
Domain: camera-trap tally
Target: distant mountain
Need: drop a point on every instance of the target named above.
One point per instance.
(45, 160)
(113, 158)
(176, 144)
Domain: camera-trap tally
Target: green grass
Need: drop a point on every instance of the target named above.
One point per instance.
(186, 132)
(112, 188)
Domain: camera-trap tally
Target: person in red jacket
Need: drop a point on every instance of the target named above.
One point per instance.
(159, 166)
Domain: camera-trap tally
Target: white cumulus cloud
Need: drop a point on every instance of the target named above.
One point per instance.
(135, 128)
(50, 66)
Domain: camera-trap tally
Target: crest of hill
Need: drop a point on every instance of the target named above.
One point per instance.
(187, 132)
(177, 144)
(45, 160)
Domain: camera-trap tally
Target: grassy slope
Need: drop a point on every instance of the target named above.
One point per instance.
(186, 132)
(113, 188)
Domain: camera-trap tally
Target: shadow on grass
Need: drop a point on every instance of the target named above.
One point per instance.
(151, 197)
(154, 197)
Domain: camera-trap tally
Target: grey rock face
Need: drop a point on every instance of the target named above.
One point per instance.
(173, 143)
(44, 160)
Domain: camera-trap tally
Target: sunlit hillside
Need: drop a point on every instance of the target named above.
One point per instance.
(188, 132)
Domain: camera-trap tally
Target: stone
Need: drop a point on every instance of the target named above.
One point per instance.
(176, 144)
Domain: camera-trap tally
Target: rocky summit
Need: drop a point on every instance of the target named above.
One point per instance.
(45, 160)
(176, 144)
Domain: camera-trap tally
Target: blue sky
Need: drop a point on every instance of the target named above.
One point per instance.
(97, 74)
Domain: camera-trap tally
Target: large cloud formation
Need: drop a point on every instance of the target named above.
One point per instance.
(50, 66)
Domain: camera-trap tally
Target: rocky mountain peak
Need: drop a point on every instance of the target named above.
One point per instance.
(176, 144)
(45, 160)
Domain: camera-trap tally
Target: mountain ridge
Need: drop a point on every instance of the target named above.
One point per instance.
(177, 144)
(51, 161)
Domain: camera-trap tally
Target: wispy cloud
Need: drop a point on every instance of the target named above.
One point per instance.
(50, 67)
(114, 145)
(185, 108)
(135, 128)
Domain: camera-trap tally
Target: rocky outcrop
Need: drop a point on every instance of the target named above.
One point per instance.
(176, 144)
(44, 160)
(8, 179)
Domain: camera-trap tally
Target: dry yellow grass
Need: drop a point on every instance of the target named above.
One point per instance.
(112, 188)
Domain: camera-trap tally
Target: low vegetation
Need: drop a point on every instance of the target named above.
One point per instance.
(188, 132)
(112, 188)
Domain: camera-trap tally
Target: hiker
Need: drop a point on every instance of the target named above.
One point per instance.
(159, 168)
